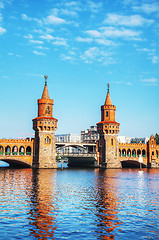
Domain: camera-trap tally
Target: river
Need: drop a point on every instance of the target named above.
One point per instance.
(79, 204)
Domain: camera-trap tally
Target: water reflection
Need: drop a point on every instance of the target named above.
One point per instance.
(42, 218)
(107, 204)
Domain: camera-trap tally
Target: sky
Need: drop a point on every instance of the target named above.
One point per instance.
(82, 46)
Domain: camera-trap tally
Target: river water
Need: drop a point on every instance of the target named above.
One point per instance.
(79, 204)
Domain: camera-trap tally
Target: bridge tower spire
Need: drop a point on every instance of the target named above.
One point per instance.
(44, 126)
(108, 129)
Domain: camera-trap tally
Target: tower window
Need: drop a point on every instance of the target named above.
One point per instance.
(112, 142)
(47, 110)
(47, 140)
(106, 113)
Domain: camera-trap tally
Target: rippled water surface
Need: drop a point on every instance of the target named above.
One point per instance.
(79, 204)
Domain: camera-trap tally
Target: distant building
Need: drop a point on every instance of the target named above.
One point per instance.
(90, 135)
(71, 137)
(68, 138)
(123, 139)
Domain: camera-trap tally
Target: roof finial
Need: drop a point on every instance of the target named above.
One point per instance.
(45, 79)
(108, 85)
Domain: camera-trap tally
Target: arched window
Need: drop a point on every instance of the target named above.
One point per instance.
(156, 153)
(106, 113)
(123, 152)
(129, 153)
(28, 150)
(15, 150)
(47, 140)
(119, 152)
(134, 153)
(1, 150)
(7, 150)
(21, 150)
(138, 152)
(143, 153)
(112, 142)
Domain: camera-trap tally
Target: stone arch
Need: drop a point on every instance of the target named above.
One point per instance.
(7, 150)
(138, 152)
(143, 153)
(133, 153)
(123, 152)
(21, 150)
(119, 152)
(28, 150)
(1, 150)
(15, 150)
(129, 153)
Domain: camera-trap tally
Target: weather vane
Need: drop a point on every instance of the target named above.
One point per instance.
(45, 79)
(108, 85)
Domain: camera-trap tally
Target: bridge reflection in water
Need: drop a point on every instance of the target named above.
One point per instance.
(84, 204)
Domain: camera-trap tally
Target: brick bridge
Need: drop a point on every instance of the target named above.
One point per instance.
(19, 152)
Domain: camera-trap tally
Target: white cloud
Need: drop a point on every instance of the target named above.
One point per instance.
(122, 32)
(150, 81)
(87, 40)
(2, 30)
(68, 12)
(113, 32)
(131, 21)
(96, 54)
(54, 20)
(155, 59)
(65, 57)
(147, 8)
(104, 42)
(36, 41)
(41, 47)
(94, 7)
(39, 53)
(47, 37)
(60, 42)
(25, 17)
(93, 33)
(29, 36)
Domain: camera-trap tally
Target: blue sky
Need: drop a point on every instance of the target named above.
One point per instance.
(81, 46)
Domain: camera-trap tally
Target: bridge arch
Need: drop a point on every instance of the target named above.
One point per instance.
(143, 153)
(7, 150)
(1, 150)
(131, 164)
(129, 152)
(138, 152)
(21, 150)
(123, 152)
(133, 153)
(15, 150)
(18, 163)
(28, 150)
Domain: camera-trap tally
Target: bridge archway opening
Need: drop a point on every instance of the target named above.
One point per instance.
(7, 150)
(15, 150)
(21, 150)
(138, 152)
(1, 150)
(131, 164)
(15, 163)
(124, 152)
(143, 153)
(28, 150)
(119, 152)
(129, 153)
(133, 153)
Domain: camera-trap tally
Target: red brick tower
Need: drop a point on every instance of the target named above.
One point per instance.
(44, 126)
(108, 129)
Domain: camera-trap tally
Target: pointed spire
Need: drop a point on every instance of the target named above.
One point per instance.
(108, 99)
(45, 94)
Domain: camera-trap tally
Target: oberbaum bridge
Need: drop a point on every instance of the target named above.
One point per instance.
(40, 152)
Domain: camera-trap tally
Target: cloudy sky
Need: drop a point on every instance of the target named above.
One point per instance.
(81, 46)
